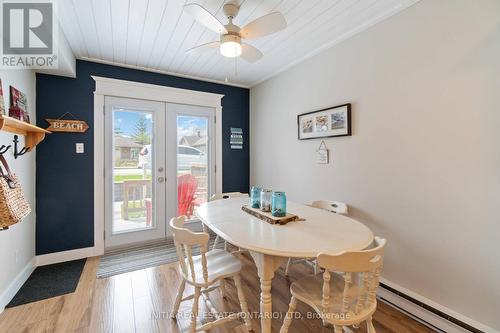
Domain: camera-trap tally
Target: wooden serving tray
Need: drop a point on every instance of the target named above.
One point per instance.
(268, 217)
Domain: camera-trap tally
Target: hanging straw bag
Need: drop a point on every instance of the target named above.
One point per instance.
(13, 204)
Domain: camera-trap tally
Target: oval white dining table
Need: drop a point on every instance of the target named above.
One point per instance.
(270, 245)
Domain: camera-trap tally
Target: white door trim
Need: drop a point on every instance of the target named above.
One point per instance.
(157, 228)
(129, 89)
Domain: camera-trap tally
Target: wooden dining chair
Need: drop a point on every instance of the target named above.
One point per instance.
(221, 196)
(336, 207)
(332, 206)
(228, 195)
(205, 272)
(346, 299)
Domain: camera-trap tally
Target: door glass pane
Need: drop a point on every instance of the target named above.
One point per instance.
(192, 163)
(132, 165)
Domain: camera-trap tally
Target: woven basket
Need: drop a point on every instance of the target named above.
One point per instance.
(13, 204)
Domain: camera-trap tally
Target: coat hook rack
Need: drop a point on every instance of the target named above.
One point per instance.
(20, 152)
(4, 149)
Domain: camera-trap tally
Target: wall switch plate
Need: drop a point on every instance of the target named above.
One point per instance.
(80, 148)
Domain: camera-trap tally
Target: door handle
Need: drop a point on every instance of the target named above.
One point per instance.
(160, 179)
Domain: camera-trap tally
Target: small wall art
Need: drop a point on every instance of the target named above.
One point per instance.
(236, 139)
(329, 122)
(18, 105)
(322, 153)
(67, 125)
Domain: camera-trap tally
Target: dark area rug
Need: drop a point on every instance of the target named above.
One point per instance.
(49, 281)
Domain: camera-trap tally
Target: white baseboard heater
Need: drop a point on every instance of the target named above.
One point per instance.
(430, 316)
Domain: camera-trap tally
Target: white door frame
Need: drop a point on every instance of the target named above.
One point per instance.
(157, 157)
(130, 89)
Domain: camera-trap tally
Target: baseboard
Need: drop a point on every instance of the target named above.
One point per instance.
(431, 314)
(16, 284)
(53, 258)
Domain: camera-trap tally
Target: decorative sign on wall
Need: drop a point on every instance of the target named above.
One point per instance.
(322, 153)
(69, 126)
(18, 105)
(236, 140)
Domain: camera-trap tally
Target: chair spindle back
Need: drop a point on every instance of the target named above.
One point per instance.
(360, 267)
(185, 241)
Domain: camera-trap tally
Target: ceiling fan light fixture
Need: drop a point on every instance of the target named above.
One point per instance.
(230, 49)
(230, 46)
(231, 35)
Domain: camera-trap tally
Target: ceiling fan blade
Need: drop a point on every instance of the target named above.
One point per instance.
(204, 17)
(263, 26)
(203, 48)
(250, 53)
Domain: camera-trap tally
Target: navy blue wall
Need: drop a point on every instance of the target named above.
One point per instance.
(64, 179)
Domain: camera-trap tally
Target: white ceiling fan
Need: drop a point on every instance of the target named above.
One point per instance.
(230, 44)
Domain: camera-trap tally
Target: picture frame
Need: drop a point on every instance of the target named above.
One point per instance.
(334, 121)
(18, 105)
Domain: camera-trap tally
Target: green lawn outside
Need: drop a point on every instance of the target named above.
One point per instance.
(121, 178)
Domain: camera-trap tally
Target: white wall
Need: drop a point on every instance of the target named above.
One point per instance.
(423, 165)
(19, 237)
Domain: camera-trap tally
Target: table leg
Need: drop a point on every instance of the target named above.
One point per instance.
(266, 266)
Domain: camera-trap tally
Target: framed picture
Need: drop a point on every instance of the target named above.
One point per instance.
(329, 122)
(18, 99)
(18, 105)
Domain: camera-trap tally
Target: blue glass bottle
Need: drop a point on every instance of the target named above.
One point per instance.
(279, 204)
(255, 197)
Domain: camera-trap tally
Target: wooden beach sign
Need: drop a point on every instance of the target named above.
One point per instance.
(71, 126)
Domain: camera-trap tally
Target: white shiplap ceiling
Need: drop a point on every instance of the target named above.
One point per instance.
(154, 34)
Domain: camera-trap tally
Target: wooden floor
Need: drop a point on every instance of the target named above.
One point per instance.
(141, 301)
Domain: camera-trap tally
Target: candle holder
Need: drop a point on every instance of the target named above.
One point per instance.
(278, 204)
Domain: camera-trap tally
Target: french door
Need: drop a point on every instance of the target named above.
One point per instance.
(190, 151)
(158, 164)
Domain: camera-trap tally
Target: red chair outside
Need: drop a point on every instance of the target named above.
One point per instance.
(186, 194)
(186, 198)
